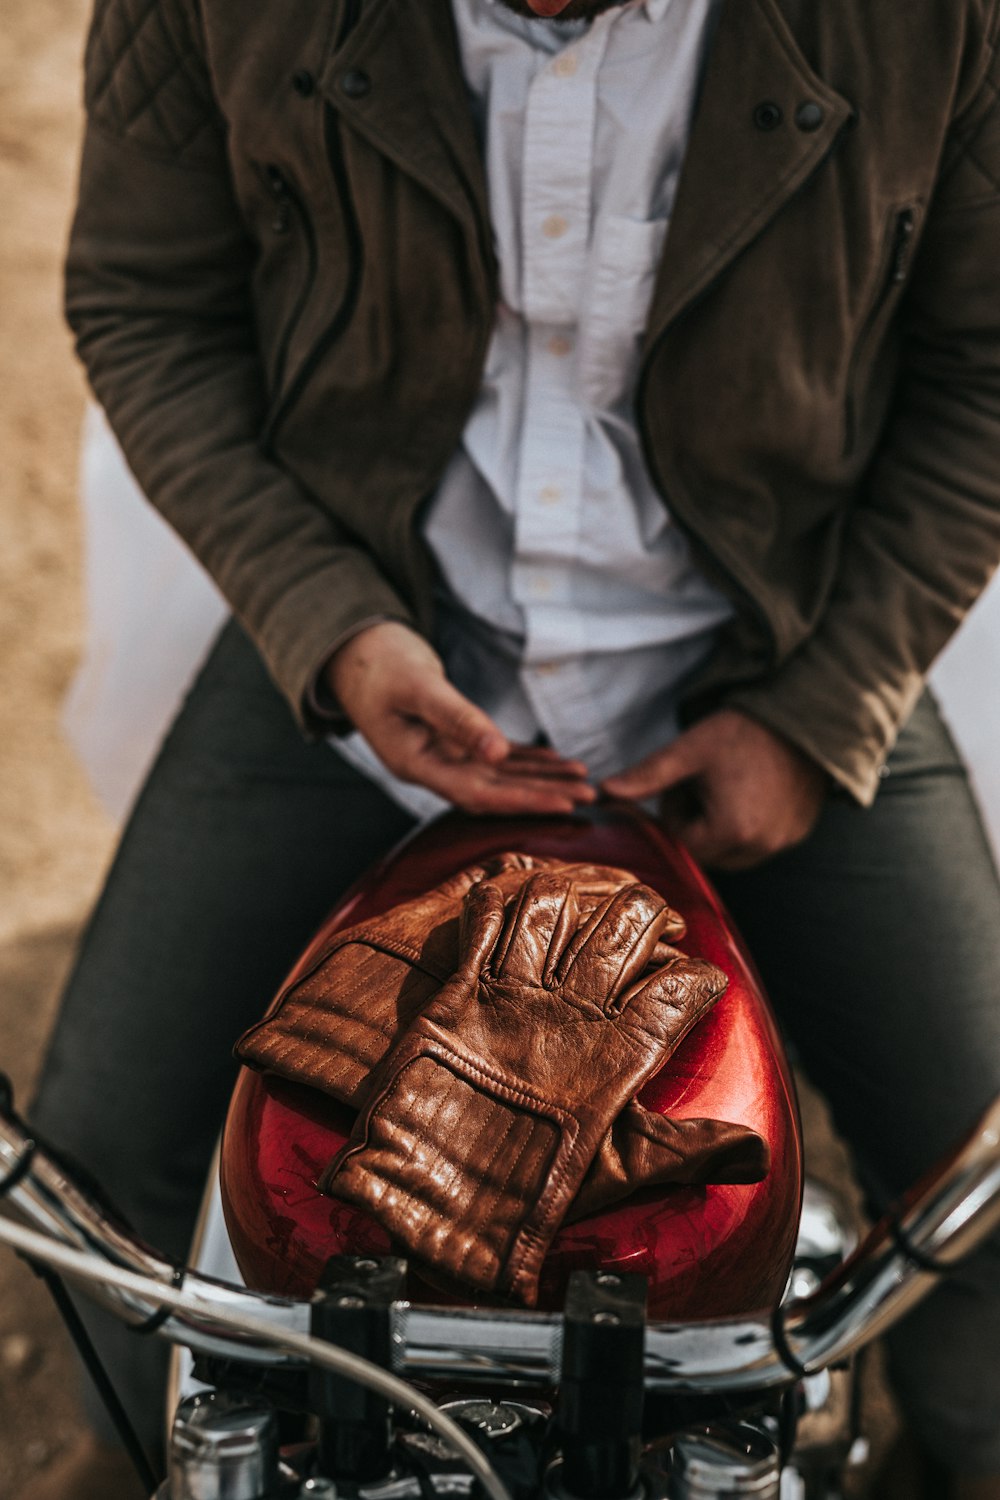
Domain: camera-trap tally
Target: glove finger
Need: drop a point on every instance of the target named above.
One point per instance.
(510, 861)
(594, 883)
(540, 919)
(644, 1149)
(671, 999)
(602, 880)
(482, 923)
(612, 949)
(435, 926)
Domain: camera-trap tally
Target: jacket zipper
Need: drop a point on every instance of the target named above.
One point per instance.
(895, 269)
(335, 156)
(288, 203)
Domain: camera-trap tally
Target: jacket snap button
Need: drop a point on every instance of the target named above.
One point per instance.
(303, 82)
(355, 83)
(767, 116)
(809, 116)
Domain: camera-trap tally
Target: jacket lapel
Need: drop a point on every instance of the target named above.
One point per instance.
(416, 110)
(744, 161)
(736, 177)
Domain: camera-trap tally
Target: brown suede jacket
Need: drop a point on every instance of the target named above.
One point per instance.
(282, 282)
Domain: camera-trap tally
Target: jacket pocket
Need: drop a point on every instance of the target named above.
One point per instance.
(623, 265)
(894, 269)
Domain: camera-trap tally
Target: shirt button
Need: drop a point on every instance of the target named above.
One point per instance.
(554, 227)
(550, 494)
(560, 345)
(566, 65)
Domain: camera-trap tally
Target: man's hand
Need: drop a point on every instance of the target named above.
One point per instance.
(733, 791)
(392, 686)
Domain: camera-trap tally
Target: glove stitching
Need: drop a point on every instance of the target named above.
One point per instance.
(498, 1191)
(427, 1045)
(377, 1187)
(424, 1220)
(546, 1153)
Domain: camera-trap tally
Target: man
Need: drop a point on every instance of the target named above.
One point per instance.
(683, 412)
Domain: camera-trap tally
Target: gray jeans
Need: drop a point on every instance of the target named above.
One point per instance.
(879, 939)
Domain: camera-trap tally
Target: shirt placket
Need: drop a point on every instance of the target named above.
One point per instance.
(556, 212)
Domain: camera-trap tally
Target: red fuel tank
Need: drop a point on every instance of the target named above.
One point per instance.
(708, 1252)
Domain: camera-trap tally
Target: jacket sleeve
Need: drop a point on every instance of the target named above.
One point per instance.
(924, 538)
(158, 296)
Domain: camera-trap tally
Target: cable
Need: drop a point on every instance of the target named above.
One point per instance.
(784, 1348)
(98, 1374)
(19, 1170)
(88, 1267)
(156, 1319)
(918, 1257)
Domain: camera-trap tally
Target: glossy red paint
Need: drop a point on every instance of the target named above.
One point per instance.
(708, 1252)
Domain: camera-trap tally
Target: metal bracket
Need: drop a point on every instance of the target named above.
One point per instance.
(601, 1387)
(353, 1308)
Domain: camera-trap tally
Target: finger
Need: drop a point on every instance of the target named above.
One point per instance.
(720, 851)
(537, 760)
(616, 944)
(664, 768)
(543, 756)
(481, 924)
(540, 919)
(646, 1150)
(447, 713)
(478, 790)
(595, 883)
(675, 997)
(519, 770)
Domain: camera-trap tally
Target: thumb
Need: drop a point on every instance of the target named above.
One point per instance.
(698, 1151)
(451, 715)
(664, 768)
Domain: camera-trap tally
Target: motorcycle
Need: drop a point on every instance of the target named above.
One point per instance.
(689, 1342)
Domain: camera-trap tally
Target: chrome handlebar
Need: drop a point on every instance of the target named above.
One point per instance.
(48, 1215)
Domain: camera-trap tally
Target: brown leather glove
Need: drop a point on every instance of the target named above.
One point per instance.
(486, 1114)
(333, 1027)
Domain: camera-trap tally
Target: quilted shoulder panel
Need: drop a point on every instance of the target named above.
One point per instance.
(146, 78)
(970, 172)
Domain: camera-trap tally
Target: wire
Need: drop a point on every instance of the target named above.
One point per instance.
(87, 1267)
(95, 1369)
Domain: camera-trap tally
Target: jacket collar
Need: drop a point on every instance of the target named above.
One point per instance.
(736, 177)
(416, 111)
(764, 122)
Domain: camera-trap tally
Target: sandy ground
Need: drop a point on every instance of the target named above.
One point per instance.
(54, 839)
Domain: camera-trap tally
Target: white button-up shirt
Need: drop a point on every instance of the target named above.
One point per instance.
(569, 603)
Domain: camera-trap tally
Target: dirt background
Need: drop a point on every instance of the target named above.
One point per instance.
(54, 839)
